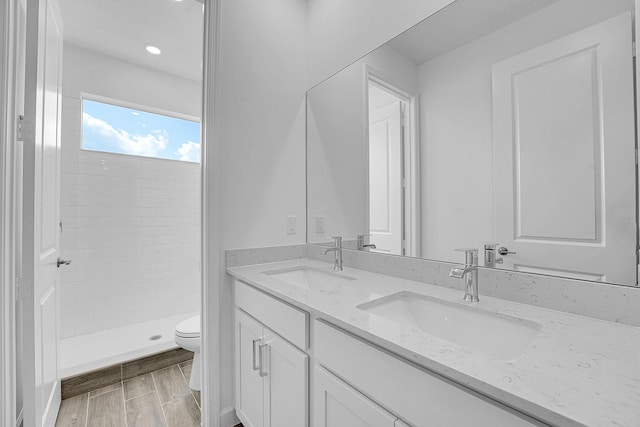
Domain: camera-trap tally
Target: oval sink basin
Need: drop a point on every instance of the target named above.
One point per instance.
(499, 335)
(308, 277)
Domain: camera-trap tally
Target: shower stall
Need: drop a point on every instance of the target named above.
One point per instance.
(130, 210)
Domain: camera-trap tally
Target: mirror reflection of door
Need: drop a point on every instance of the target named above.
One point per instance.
(386, 169)
(570, 214)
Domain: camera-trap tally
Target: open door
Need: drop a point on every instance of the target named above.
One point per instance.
(385, 178)
(40, 210)
(573, 213)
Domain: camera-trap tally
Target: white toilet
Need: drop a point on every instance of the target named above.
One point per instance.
(188, 337)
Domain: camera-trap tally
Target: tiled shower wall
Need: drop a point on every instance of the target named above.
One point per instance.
(131, 228)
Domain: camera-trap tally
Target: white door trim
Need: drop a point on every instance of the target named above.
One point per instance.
(636, 25)
(8, 137)
(211, 268)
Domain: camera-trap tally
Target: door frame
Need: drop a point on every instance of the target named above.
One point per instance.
(210, 217)
(411, 157)
(636, 28)
(211, 268)
(9, 203)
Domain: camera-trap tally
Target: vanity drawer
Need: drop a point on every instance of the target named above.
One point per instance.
(282, 318)
(415, 395)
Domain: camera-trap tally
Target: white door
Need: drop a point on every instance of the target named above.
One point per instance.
(336, 404)
(286, 395)
(41, 140)
(249, 383)
(385, 178)
(564, 155)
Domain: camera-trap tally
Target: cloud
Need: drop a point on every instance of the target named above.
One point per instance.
(142, 145)
(190, 151)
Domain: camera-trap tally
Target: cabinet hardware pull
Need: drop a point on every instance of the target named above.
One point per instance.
(256, 362)
(263, 372)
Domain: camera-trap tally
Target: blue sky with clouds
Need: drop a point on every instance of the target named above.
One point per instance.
(116, 129)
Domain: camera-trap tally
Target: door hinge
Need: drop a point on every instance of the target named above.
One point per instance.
(19, 128)
(24, 288)
(24, 131)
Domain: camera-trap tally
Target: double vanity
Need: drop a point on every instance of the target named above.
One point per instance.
(321, 347)
(497, 124)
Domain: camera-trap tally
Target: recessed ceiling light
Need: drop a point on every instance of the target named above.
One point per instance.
(153, 50)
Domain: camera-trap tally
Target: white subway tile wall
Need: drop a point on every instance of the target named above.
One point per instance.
(131, 226)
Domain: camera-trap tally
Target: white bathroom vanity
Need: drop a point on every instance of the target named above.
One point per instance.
(322, 348)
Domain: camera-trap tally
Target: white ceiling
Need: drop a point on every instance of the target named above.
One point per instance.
(122, 28)
(460, 23)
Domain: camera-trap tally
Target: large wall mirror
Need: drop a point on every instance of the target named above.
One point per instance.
(503, 125)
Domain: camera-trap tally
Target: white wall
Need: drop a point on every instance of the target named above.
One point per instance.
(337, 171)
(456, 124)
(342, 31)
(262, 83)
(262, 78)
(130, 224)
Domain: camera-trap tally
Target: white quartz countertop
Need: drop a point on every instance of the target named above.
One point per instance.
(576, 371)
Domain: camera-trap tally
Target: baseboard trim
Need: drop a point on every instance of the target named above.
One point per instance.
(228, 417)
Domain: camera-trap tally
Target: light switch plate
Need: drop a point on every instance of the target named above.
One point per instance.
(291, 225)
(319, 225)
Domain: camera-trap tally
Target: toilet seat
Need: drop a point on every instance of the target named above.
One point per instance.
(189, 328)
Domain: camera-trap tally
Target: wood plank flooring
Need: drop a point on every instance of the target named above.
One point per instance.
(115, 374)
(161, 398)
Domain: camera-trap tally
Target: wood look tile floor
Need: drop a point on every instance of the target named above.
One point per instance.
(161, 398)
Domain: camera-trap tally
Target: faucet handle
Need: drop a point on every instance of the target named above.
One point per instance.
(490, 258)
(470, 255)
(337, 240)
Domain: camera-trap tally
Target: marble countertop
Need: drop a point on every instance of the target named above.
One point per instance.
(576, 371)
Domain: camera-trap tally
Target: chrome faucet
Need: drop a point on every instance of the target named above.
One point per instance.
(362, 245)
(337, 249)
(490, 251)
(490, 258)
(469, 272)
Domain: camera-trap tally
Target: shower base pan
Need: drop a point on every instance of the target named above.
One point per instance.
(89, 352)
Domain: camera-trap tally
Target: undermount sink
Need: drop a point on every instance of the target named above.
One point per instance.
(308, 277)
(499, 335)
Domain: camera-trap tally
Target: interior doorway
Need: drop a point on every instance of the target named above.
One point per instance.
(392, 156)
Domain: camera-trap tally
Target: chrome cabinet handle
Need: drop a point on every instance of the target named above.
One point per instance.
(256, 362)
(504, 251)
(262, 371)
(63, 262)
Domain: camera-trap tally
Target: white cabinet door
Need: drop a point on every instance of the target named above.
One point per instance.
(286, 384)
(249, 383)
(336, 404)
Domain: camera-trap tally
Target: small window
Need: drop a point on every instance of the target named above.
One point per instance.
(122, 130)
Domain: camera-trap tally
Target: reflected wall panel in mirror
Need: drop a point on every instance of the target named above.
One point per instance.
(497, 124)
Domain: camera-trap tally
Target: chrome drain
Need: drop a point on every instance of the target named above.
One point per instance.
(155, 337)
